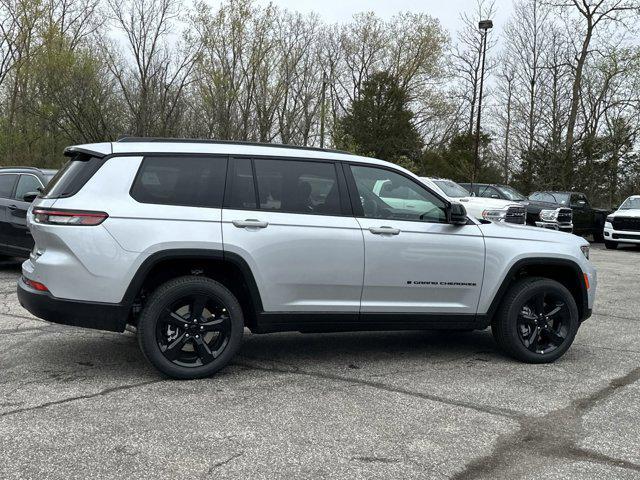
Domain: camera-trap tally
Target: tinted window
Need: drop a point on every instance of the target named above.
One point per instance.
(418, 205)
(188, 181)
(298, 186)
(72, 177)
(241, 191)
(6, 185)
(26, 184)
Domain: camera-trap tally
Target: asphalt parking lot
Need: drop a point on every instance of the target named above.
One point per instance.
(83, 404)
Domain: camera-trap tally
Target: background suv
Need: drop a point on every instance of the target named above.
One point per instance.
(18, 187)
(191, 242)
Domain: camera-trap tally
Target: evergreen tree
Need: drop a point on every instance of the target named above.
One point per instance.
(379, 123)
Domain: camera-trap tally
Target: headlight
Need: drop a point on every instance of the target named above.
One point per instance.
(549, 215)
(495, 215)
(610, 219)
(585, 251)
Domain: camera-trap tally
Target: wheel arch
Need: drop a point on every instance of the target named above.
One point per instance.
(565, 271)
(228, 268)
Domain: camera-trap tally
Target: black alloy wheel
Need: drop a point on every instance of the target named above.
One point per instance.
(190, 327)
(536, 321)
(194, 330)
(543, 323)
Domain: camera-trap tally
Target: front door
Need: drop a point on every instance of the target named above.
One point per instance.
(415, 262)
(288, 220)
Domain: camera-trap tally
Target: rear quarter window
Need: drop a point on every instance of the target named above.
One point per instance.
(72, 176)
(191, 181)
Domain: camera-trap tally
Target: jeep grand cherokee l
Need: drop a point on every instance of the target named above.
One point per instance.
(192, 241)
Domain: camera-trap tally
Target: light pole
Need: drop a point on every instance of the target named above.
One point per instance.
(483, 25)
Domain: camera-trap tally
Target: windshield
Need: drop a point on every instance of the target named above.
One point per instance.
(510, 193)
(631, 203)
(452, 189)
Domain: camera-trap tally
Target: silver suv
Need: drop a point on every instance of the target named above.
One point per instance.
(192, 241)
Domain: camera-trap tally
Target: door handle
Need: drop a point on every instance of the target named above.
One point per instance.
(12, 207)
(384, 231)
(250, 223)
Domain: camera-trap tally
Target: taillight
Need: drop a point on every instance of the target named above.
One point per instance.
(35, 285)
(67, 217)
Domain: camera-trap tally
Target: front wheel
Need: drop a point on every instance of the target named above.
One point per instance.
(537, 321)
(609, 245)
(191, 327)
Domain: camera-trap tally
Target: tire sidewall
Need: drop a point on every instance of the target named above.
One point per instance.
(513, 311)
(165, 296)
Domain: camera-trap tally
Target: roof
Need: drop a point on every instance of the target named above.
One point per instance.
(133, 145)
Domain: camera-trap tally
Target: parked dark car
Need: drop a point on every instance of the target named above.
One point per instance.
(566, 211)
(18, 188)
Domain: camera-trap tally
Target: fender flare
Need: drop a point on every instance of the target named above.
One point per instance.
(192, 254)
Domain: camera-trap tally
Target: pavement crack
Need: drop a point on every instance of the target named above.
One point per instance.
(101, 393)
(554, 435)
(502, 412)
(224, 462)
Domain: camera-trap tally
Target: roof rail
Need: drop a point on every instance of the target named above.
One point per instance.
(18, 167)
(127, 139)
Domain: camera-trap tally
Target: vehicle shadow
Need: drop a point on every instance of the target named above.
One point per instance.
(76, 354)
(11, 264)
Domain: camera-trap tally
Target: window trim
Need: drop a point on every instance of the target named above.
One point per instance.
(342, 186)
(354, 194)
(182, 155)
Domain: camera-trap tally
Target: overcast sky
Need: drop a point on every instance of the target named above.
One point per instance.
(447, 11)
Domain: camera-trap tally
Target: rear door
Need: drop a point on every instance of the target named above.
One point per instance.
(288, 219)
(7, 187)
(414, 261)
(20, 236)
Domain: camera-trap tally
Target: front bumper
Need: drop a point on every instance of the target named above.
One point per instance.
(621, 236)
(99, 316)
(562, 227)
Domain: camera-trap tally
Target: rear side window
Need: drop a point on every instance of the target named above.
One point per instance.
(6, 185)
(72, 177)
(298, 187)
(183, 180)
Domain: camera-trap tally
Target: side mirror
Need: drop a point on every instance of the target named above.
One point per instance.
(30, 196)
(457, 214)
(495, 195)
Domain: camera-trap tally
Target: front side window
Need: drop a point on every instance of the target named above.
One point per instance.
(298, 187)
(27, 184)
(388, 195)
(187, 181)
(488, 192)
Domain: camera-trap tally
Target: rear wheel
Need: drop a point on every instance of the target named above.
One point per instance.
(537, 321)
(190, 327)
(609, 245)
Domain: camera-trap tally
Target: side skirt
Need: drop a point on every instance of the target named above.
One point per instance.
(323, 322)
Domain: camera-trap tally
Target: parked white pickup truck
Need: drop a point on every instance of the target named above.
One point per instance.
(479, 207)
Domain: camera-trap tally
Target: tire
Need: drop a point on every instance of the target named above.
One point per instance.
(168, 327)
(598, 235)
(517, 321)
(609, 245)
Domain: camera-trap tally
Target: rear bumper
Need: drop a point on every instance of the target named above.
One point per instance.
(99, 316)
